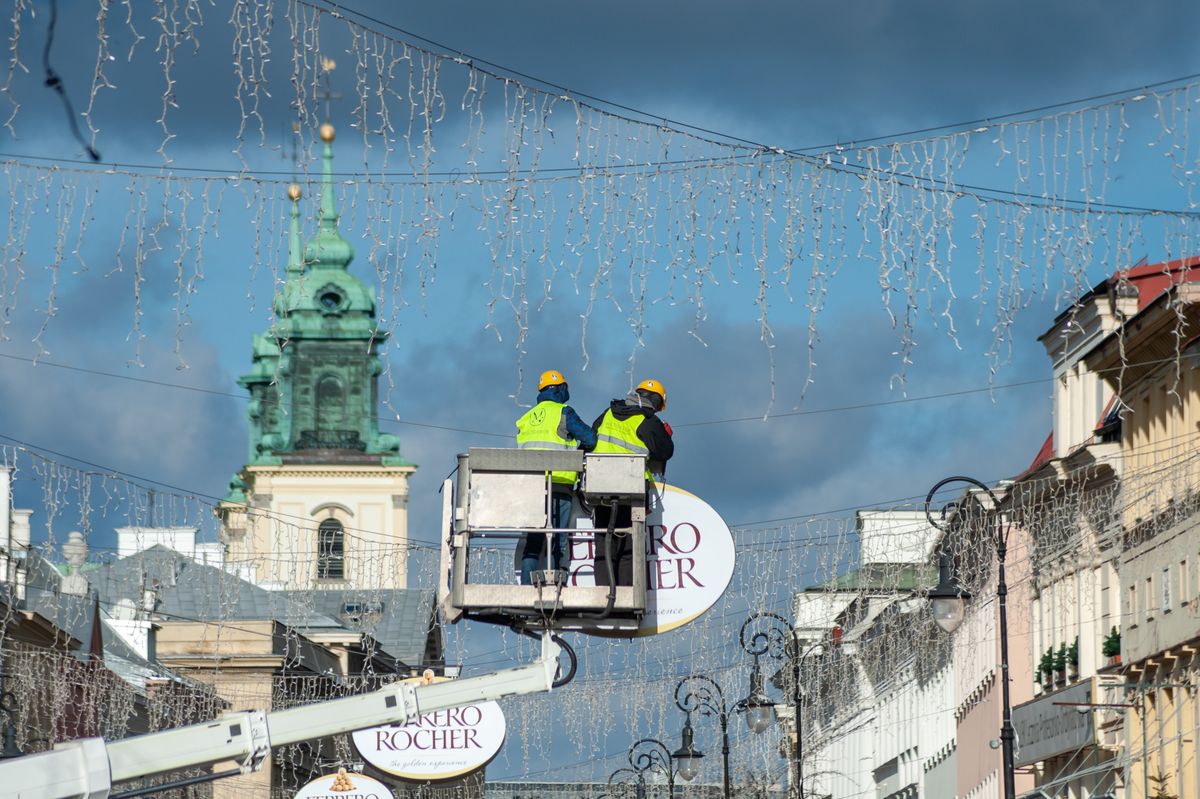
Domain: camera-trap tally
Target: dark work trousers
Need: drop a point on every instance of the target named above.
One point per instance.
(622, 546)
(531, 550)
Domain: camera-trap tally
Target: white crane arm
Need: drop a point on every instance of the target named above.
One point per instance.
(87, 768)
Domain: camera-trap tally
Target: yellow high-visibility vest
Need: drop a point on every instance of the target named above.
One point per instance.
(544, 427)
(620, 436)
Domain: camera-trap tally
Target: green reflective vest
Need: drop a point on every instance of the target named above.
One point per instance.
(543, 427)
(617, 435)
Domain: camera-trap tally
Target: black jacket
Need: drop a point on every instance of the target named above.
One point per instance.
(652, 432)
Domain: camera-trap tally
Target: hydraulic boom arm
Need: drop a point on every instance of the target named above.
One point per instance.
(87, 768)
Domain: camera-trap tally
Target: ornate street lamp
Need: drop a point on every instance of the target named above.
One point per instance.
(758, 706)
(775, 638)
(697, 693)
(623, 779)
(949, 599)
(652, 754)
(687, 756)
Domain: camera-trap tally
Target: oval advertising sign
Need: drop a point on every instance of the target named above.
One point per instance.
(689, 560)
(436, 746)
(344, 785)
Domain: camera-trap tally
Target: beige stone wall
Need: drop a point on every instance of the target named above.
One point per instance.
(1162, 726)
(1159, 439)
(239, 662)
(276, 542)
(978, 673)
(1161, 582)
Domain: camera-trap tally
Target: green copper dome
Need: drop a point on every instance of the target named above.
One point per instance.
(314, 380)
(320, 296)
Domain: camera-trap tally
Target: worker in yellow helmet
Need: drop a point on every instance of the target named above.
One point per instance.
(552, 424)
(631, 425)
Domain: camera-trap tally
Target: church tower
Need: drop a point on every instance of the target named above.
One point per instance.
(323, 499)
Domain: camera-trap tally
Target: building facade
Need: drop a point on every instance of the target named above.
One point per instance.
(1070, 743)
(877, 719)
(1151, 362)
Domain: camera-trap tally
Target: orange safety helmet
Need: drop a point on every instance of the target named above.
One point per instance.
(551, 377)
(655, 387)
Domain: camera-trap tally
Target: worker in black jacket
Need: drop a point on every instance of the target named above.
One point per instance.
(632, 426)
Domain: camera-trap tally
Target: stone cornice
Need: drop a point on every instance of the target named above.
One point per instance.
(328, 470)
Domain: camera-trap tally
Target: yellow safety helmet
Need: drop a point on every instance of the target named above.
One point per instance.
(655, 387)
(551, 377)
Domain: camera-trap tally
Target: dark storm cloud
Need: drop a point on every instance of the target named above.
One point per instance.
(186, 439)
(828, 69)
(785, 72)
(790, 73)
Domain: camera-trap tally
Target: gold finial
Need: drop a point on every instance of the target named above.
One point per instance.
(327, 132)
(294, 192)
(328, 64)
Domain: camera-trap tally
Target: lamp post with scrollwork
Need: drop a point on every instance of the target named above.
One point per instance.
(651, 754)
(697, 693)
(621, 780)
(948, 600)
(774, 636)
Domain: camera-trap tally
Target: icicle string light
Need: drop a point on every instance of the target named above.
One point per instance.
(621, 693)
(577, 202)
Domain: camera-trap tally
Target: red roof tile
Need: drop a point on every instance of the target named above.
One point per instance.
(1150, 280)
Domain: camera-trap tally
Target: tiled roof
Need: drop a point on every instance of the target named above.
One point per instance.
(75, 614)
(192, 591)
(1151, 280)
(400, 620)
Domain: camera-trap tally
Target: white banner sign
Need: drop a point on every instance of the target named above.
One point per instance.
(344, 785)
(689, 560)
(435, 746)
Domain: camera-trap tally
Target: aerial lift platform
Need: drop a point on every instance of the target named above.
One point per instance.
(500, 495)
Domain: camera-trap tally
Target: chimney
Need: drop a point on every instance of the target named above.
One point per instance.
(134, 626)
(20, 531)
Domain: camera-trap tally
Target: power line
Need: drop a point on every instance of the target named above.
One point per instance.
(218, 392)
(472, 61)
(286, 176)
(705, 423)
(863, 405)
(185, 493)
(911, 181)
(1132, 93)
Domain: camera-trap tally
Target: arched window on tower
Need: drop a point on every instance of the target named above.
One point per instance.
(330, 410)
(331, 550)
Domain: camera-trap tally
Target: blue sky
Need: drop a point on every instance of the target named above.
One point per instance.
(788, 74)
(796, 75)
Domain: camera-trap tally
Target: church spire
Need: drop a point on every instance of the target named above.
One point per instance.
(328, 250)
(295, 264)
(329, 214)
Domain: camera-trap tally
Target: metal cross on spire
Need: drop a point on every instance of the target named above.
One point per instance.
(328, 65)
